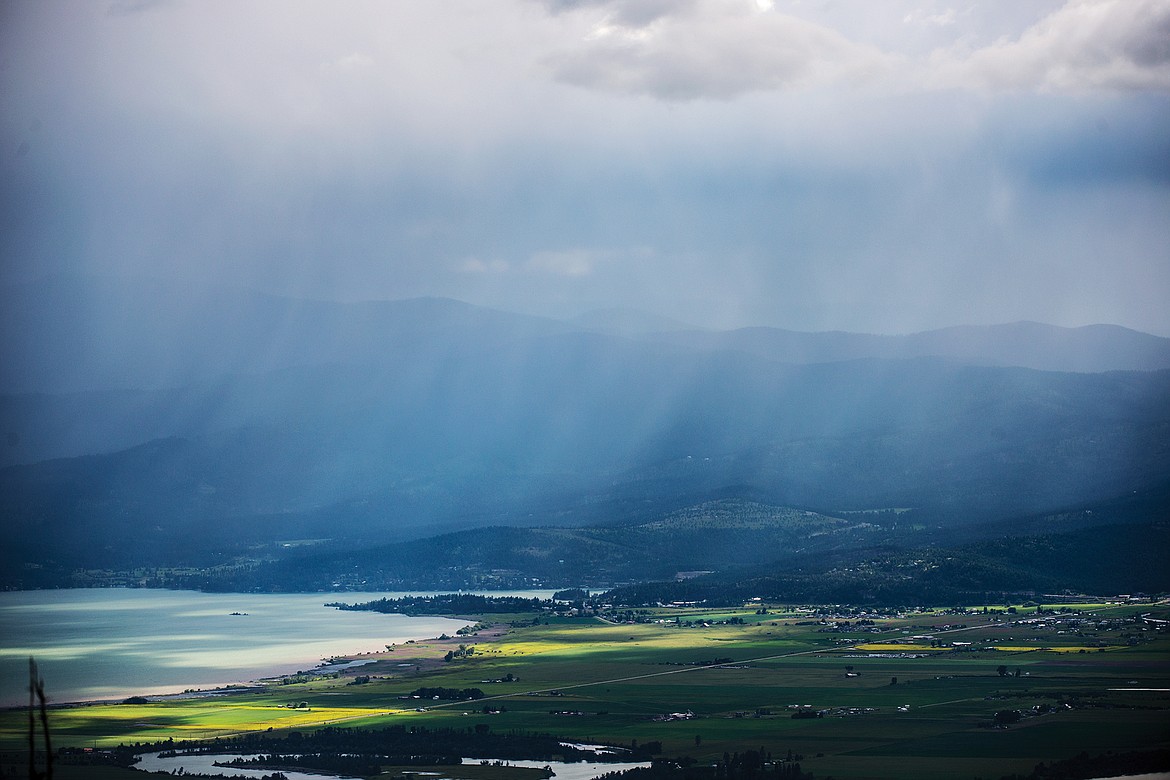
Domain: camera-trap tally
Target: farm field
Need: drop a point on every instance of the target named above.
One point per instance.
(909, 695)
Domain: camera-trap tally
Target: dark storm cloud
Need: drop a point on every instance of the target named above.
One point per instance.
(713, 50)
(1085, 44)
(722, 162)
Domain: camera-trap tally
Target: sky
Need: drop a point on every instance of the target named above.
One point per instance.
(880, 167)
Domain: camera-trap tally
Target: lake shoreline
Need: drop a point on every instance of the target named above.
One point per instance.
(207, 693)
(424, 664)
(104, 645)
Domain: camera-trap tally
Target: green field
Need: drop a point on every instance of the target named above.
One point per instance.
(1094, 678)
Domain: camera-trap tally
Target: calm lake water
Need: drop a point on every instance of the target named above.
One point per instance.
(205, 764)
(110, 643)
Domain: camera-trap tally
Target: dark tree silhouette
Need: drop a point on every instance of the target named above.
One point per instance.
(36, 699)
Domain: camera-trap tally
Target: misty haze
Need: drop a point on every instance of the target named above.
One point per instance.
(709, 390)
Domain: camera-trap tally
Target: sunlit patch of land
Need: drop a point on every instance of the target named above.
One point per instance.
(197, 719)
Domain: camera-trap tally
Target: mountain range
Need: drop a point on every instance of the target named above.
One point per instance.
(147, 424)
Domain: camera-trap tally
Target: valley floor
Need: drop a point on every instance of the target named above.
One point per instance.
(846, 693)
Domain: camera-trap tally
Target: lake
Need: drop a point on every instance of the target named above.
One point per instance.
(205, 765)
(110, 643)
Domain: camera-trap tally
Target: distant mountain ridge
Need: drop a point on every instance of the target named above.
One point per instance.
(161, 415)
(1087, 349)
(68, 336)
(79, 335)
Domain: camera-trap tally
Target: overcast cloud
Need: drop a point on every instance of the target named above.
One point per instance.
(882, 167)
